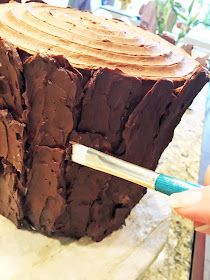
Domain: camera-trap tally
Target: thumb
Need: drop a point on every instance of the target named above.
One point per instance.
(193, 204)
(207, 177)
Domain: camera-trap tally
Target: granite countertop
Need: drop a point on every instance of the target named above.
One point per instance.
(181, 159)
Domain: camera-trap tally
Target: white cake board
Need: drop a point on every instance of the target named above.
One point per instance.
(125, 254)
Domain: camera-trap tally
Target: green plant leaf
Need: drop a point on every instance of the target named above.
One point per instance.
(192, 19)
(171, 21)
(195, 23)
(191, 7)
(181, 35)
(178, 5)
(180, 15)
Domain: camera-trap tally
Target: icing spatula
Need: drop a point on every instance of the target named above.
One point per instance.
(141, 176)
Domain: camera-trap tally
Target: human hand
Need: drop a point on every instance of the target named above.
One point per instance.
(195, 205)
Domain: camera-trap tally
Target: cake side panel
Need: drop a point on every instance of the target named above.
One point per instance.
(11, 160)
(53, 94)
(115, 198)
(57, 104)
(45, 184)
(109, 98)
(183, 97)
(11, 82)
(138, 133)
(117, 114)
(143, 125)
(11, 134)
(145, 135)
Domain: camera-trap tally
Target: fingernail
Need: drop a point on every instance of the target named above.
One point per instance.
(207, 176)
(185, 199)
(203, 229)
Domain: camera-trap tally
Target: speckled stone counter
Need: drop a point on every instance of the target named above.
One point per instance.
(180, 159)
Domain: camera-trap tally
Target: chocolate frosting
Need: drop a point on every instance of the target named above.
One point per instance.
(11, 159)
(51, 92)
(44, 182)
(10, 79)
(118, 89)
(11, 134)
(92, 42)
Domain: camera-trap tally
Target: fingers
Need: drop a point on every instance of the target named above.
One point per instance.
(198, 226)
(207, 177)
(203, 229)
(194, 205)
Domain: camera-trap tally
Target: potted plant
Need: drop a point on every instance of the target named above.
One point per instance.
(173, 16)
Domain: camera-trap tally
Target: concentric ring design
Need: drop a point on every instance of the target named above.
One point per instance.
(90, 42)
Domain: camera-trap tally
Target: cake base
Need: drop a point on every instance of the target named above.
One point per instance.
(125, 254)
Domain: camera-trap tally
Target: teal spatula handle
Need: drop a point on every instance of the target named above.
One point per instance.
(168, 185)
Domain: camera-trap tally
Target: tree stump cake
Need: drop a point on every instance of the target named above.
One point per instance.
(68, 75)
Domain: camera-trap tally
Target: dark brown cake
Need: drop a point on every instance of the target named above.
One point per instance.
(11, 134)
(119, 89)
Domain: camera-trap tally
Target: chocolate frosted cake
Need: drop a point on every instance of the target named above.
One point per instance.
(69, 75)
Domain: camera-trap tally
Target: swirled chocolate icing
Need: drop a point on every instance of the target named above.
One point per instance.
(92, 42)
(100, 82)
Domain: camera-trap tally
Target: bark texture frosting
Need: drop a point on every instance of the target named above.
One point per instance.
(99, 82)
